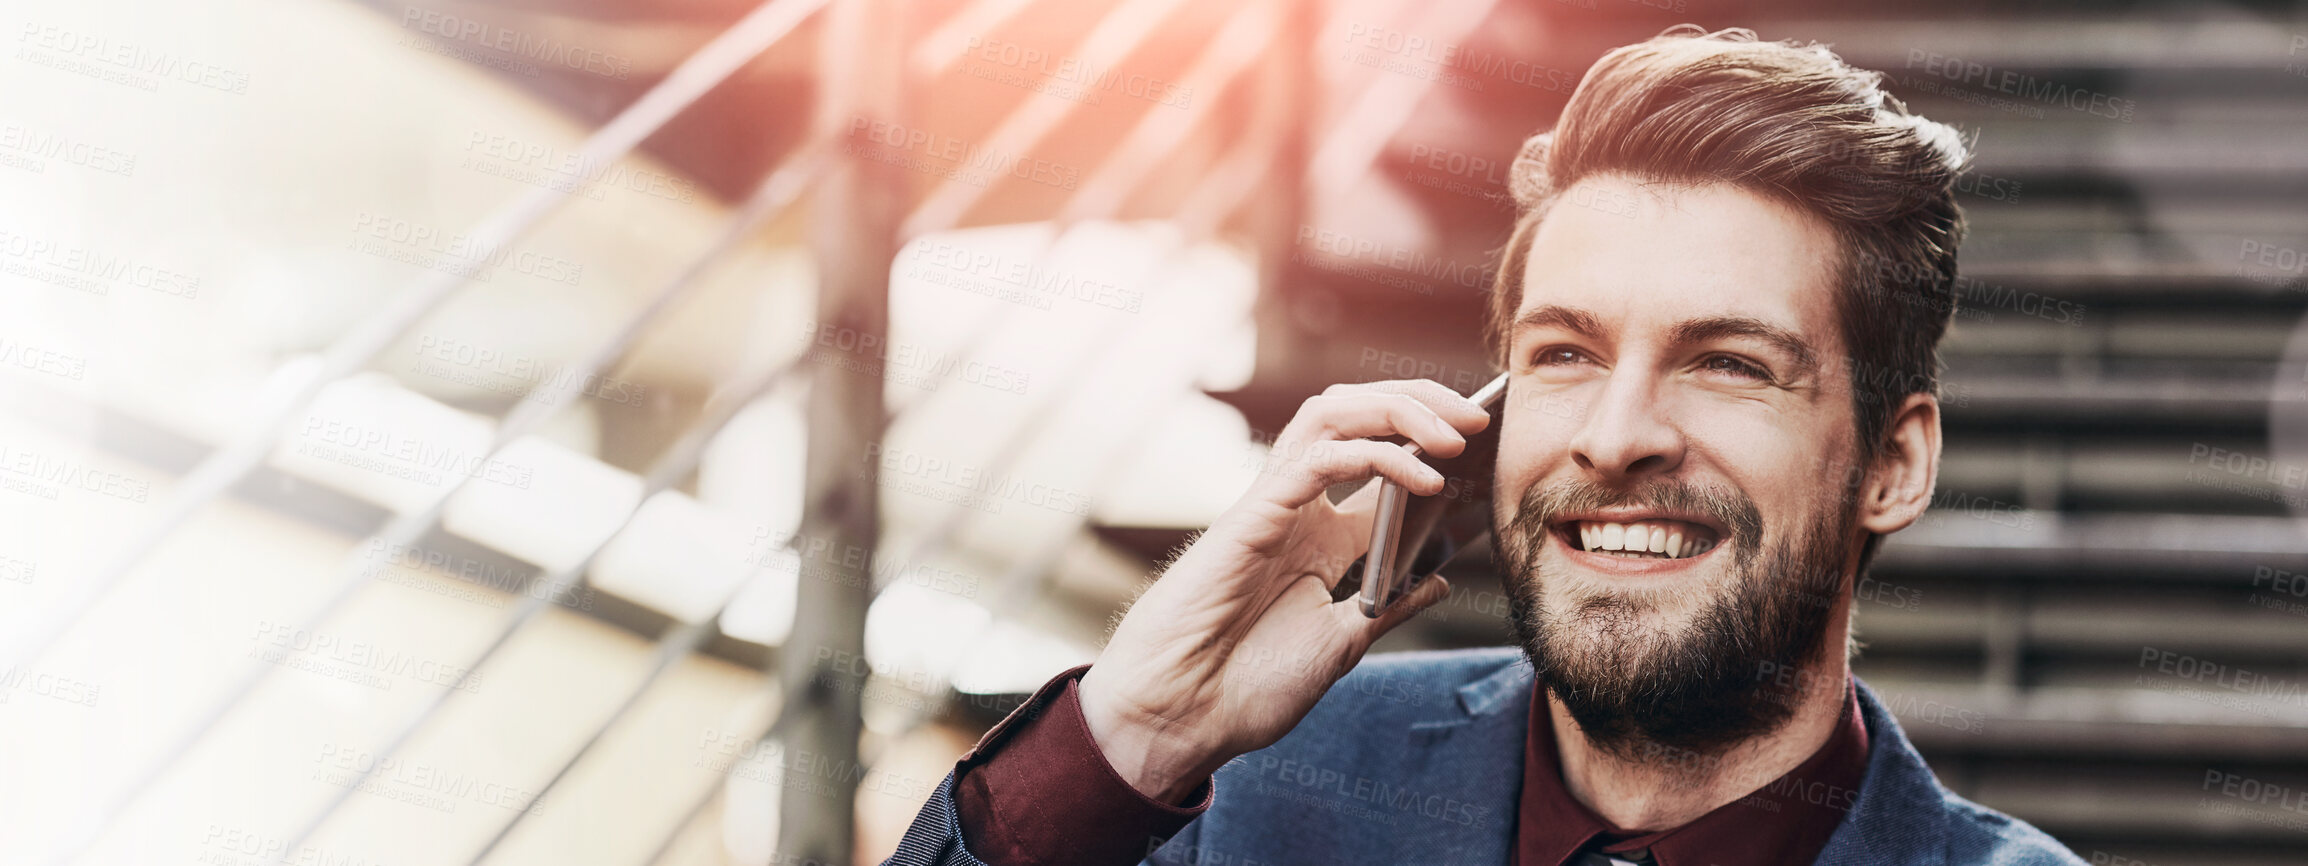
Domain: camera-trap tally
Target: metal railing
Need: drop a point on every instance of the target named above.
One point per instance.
(1267, 158)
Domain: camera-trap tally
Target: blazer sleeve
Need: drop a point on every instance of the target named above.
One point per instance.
(935, 837)
(1036, 790)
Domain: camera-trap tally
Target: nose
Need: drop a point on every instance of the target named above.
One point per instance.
(1628, 432)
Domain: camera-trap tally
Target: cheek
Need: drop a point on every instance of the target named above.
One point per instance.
(1518, 470)
(1530, 446)
(1777, 464)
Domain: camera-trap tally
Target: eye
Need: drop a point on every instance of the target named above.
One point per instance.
(1734, 366)
(1557, 356)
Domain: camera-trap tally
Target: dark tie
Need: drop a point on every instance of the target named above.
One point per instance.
(1637, 857)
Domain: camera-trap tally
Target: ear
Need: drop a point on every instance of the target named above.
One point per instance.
(1899, 484)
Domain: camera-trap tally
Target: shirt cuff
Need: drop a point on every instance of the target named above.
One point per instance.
(1036, 791)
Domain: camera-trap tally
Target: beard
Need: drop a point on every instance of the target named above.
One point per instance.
(1638, 686)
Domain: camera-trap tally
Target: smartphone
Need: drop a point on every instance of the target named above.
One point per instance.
(1415, 536)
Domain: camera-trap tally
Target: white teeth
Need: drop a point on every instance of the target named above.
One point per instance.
(1665, 538)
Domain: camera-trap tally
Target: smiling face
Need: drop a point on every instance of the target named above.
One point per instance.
(1678, 418)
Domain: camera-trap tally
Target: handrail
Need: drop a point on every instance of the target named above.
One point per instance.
(678, 460)
(1216, 196)
(1237, 43)
(775, 193)
(28, 636)
(1115, 35)
(1122, 170)
(1221, 192)
(1382, 110)
(951, 41)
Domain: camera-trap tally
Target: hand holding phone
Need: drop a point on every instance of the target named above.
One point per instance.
(1405, 544)
(1249, 626)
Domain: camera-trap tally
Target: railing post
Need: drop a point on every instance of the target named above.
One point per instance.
(1290, 97)
(855, 217)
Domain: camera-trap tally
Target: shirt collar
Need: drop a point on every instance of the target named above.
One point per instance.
(1786, 821)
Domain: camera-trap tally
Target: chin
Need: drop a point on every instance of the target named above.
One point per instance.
(1659, 643)
(1648, 607)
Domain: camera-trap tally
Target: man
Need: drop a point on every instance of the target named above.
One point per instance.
(1721, 398)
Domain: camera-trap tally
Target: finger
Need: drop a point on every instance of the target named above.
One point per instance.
(1293, 483)
(1358, 506)
(1356, 513)
(1429, 592)
(1462, 413)
(1369, 415)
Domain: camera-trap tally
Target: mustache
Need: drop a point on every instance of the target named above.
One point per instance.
(1733, 509)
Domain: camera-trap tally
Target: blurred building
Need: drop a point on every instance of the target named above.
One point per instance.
(410, 407)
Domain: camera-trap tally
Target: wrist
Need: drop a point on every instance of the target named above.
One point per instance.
(1148, 754)
(1147, 760)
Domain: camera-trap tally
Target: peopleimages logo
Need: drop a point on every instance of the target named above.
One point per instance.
(2252, 790)
(2271, 262)
(2244, 465)
(903, 362)
(1070, 78)
(968, 159)
(121, 61)
(49, 144)
(1970, 73)
(2240, 689)
(1405, 53)
(974, 484)
(940, 262)
(1399, 260)
(47, 475)
(516, 374)
(48, 685)
(1374, 793)
(540, 49)
(540, 164)
(84, 269)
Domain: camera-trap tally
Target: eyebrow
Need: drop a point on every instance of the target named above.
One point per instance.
(1574, 320)
(1686, 332)
(1712, 328)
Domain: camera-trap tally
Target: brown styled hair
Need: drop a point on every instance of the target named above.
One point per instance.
(1792, 122)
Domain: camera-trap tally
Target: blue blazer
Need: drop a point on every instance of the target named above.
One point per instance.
(1417, 758)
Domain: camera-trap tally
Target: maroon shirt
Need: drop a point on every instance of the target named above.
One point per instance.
(1035, 790)
(1787, 821)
